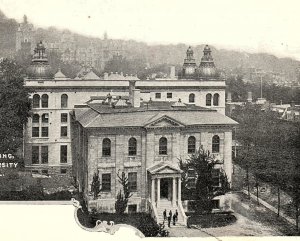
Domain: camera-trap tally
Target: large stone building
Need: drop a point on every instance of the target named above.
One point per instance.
(123, 123)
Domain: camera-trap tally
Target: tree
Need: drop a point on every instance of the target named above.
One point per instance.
(206, 189)
(122, 198)
(96, 185)
(14, 106)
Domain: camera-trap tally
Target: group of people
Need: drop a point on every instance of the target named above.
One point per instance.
(170, 217)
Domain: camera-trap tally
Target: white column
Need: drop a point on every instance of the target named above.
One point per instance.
(158, 192)
(174, 192)
(179, 190)
(153, 191)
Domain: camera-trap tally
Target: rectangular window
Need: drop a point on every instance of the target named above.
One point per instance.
(132, 208)
(35, 171)
(63, 154)
(64, 118)
(44, 154)
(63, 171)
(35, 154)
(63, 131)
(106, 182)
(45, 132)
(35, 132)
(169, 95)
(157, 95)
(132, 181)
(216, 177)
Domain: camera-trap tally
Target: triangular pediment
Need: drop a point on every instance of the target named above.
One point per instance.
(164, 168)
(164, 121)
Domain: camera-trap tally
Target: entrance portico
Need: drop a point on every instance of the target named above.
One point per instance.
(165, 184)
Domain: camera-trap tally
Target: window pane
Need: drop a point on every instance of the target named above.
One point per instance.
(64, 101)
(35, 155)
(106, 182)
(169, 95)
(163, 146)
(44, 154)
(63, 154)
(157, 95)
(64, 117)
(44, 101)
(45, 132)
(35, 131)
(191, 98)
(132, 147)
(64, 131)
(45, 118)
(216, 144)
(215, 177)
(36, 118)
(36, 101)
(106, 147)
(191, 144)
(216, 100)
(208, 100)
(132, 181)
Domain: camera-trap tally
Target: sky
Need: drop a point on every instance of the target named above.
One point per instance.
(271, 26)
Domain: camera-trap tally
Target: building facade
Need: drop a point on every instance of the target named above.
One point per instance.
(53, 145)
(145, 141)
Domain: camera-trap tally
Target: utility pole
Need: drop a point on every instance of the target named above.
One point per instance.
(260, 86)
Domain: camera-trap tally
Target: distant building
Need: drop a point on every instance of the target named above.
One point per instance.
(25, 36)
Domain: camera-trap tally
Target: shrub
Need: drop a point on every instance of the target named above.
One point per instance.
(211, 220)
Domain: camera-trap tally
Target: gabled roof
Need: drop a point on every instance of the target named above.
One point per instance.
(163, 168)
(162, 120)
(90, 75)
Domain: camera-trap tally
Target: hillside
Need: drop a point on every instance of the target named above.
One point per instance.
(156, 54)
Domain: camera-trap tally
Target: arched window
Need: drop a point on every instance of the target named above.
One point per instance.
(191, 145)
(216, 99)
(45, 118)
(215, 144)
(45, 101)
(64, 101)
(163, 146)
(208, 100)
(132, 146)
(106, 147)
(36, 101)
(192, 98)
(36, 118)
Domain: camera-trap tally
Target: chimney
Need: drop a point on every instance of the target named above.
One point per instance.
(136, 98)
(131, 88)
(172, 72)
(228, 97)
(249, 98)
(105, 76)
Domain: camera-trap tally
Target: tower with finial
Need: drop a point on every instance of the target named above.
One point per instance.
(207, 68)
(25, 36)
(189, 65)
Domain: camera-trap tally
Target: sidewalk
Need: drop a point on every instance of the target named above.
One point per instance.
(273, 209)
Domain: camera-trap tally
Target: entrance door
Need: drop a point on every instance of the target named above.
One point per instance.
(164, 188)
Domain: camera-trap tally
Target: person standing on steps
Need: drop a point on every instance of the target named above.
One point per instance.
(169, 220)
(174, 219)
(165, 214)
(170, 213)
(176, 213)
